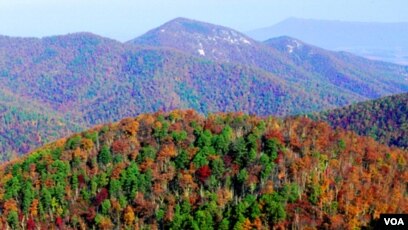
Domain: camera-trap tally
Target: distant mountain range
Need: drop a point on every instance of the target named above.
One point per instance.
(380, 41)
(83, 79)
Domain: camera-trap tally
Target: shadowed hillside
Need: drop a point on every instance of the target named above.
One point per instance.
(385, 119)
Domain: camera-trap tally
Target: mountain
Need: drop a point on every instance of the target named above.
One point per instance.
(379, 41)
(84, 79)
(343, 70)
(201, 39)
(180, 170)
(385, 119)
(217, 43)
(331, 72)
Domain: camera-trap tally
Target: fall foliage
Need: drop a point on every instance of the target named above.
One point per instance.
(180, 170)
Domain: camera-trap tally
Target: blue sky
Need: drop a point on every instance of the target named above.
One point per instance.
(126, 19)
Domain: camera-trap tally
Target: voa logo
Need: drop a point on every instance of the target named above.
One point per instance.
(394, 221)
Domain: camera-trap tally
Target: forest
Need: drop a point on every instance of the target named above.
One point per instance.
(181, 170)
(63, 84)
(384, 119)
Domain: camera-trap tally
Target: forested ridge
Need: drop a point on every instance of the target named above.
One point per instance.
(384, 119)
(85, 79)
(180, 170)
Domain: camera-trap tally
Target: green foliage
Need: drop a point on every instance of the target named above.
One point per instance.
(105, 155)
(182, 161)
(12, 219)
(271, 148)
(242, 176)
(28, 196)
(220, 172)
(179, 136)
(204, 139)
(130, 180)
(239, 150)
(73, 143)
(315, 192)
(290, 192)
(274, 207)
(93, 136)
(106, 206)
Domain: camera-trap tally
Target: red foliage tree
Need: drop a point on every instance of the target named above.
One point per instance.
(81, 180)
(30, 224)
(101, 196)
(274, 133)
(203, 173)
(91, 214)
(120, 146)
(59, 222)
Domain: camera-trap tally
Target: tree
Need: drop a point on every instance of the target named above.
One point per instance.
(182, 160)
(203, 173)
(45, 198)
(34, 208)
(239, 151)
(242, 176)
(106, 206)
(31, 224)
(129, 180)
(28, 197)
(204, 219)
(271, 148)
(273, 207)
(12, 219)
(59, 222)
(129, 216)
(12, 187)
(101, 196)
(74, 142)
(204, 139)
(105, 155)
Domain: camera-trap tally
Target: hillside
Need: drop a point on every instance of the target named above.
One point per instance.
(25, 125)
(385, 119)
(344, 70)
(84, 79)
(180, 170)
(378, 41)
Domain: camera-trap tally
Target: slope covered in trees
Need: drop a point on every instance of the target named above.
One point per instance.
(25, 125)
(385, 119)
(87, 78)
(180, 170)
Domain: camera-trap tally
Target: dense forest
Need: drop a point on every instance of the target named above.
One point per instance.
(180, 170)
(385, 119)
(26, 125)
(85, 79)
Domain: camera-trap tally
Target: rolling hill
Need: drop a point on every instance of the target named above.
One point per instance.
(385, 119)
(180, 170)
(84, 79)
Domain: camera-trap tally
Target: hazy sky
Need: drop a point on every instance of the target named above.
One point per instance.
(126, 19)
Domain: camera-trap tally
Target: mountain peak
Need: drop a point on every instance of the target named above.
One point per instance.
(285, 43)
(195, 37)
(185, 24)
(182, 20)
